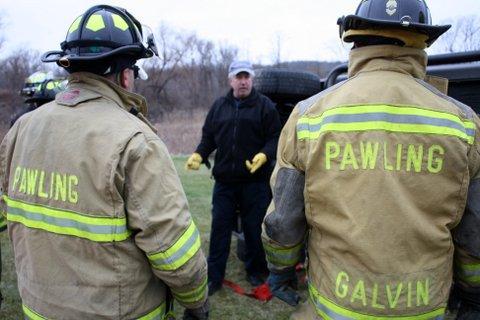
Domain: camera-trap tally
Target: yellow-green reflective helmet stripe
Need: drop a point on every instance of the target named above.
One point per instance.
(119, 22)
(95, 22)
(37, 77)
(75, 25)
(50, 85)
(98, 229)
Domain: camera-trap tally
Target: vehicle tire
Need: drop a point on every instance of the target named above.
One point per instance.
(285, 86)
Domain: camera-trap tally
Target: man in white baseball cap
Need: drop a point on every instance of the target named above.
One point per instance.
(243, 127)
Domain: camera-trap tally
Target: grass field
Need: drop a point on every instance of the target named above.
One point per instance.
(224, 305)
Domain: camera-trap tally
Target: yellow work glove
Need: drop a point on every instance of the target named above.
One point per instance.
(259, 160)
(194, 162)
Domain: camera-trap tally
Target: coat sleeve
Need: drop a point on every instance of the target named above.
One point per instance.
(159, 217)
(207, 143)
(271, 128)
(467, 236)
(284, 226)
(6, 149)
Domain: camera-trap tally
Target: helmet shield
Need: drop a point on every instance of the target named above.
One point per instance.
(148, 40)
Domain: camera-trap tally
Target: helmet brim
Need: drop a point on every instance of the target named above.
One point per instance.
(356, 22)
(134, 50)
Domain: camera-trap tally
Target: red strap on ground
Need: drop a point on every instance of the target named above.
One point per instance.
(262, 292)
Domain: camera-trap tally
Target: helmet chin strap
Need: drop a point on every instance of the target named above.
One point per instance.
(119, 78)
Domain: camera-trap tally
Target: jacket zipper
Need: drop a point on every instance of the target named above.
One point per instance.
(234, 138)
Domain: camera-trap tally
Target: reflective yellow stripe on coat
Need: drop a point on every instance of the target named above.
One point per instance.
(157, 314)
(3, 222)
(284, 257)
(387, 118)
(191, 296)
(94, 228)
(469, 273)
(328, 310)
(179, 253)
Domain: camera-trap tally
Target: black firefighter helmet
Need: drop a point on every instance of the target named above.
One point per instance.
(392, 18)
(103, 40)
(34, 81)
(47, 91)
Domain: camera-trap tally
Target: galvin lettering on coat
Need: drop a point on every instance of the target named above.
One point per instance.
(383, 295)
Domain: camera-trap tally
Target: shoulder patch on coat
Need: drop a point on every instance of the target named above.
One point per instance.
(469, 113)
(304, 105)
(72, 97)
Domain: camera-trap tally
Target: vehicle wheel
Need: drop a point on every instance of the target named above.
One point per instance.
(285, 86)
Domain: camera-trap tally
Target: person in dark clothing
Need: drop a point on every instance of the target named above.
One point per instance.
(243, 127)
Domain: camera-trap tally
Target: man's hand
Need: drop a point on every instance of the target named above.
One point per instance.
(194, 162)
(282, 286)
(197, 314)
(259, 160)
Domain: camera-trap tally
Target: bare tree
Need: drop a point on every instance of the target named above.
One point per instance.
(174, 49)
(277, 49)
(14, 70)
(463, 36)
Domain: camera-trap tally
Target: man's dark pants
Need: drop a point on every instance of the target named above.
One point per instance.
(253, 199)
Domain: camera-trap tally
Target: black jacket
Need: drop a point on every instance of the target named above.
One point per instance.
(238, 134)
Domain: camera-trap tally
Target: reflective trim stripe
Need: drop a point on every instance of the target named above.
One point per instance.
(192, 296)
(156, 314)
(388, 118)
(31, 315)
(285, 257)
(98, 229)
(179, 253)
(3, 222)
(469, 273)
(331, 311)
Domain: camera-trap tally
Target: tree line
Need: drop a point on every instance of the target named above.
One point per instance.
(190, 72)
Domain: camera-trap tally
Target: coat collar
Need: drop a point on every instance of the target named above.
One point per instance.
(388, 58)
(248, 101)
(108, 89)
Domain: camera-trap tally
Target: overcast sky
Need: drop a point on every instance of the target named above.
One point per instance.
(306, 28)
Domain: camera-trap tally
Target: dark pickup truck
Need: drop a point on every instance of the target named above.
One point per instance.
(461, 69)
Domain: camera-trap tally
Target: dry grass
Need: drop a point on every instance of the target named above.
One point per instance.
(181, 131)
